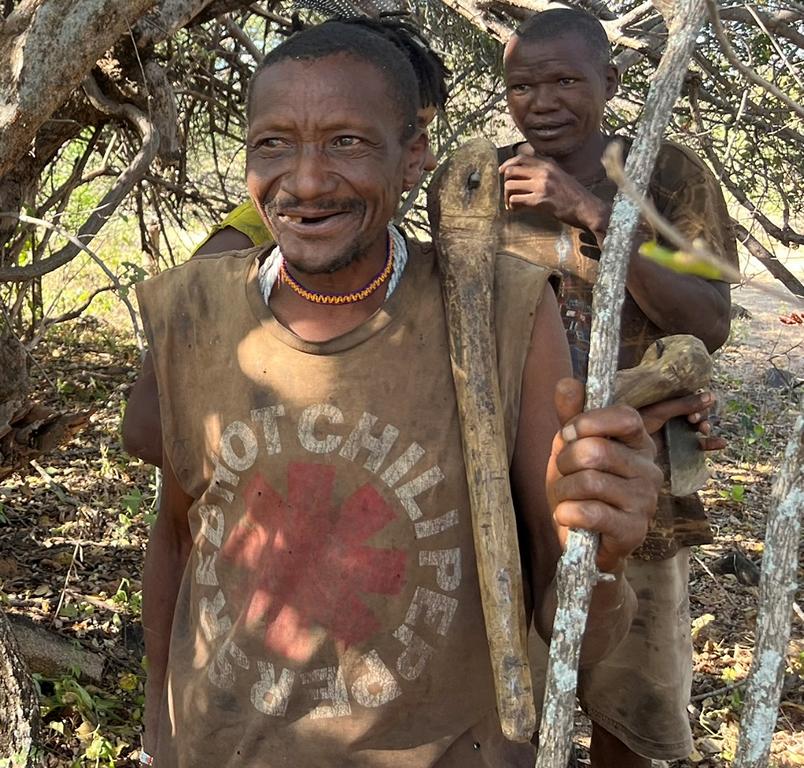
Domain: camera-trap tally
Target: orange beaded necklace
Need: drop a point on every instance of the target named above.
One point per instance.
(340, 298)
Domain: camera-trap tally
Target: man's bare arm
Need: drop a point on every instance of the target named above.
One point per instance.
(681, 303)
(589, 481)
(674, 302)
(169, 547)
(141, 430)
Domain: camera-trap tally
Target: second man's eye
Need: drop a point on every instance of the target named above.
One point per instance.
(346, 141)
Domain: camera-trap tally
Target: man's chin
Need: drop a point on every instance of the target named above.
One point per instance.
(319, 258)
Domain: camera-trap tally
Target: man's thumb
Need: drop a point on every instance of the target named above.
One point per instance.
(569, 399)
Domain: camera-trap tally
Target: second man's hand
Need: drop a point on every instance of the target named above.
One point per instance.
(538, 182)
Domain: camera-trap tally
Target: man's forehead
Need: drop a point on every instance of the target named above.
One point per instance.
(567, 44)
(325, 68)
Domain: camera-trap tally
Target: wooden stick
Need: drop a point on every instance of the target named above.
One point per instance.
(576, 570)
(463, 219)
(777, 589)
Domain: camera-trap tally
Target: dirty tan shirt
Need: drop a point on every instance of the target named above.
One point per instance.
(686, 194)
(329, 614)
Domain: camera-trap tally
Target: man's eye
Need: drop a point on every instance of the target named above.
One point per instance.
(567, 81)
(271, 142)
(519, 88)
(346, 141)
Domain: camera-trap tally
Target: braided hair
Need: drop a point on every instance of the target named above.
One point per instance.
(382, 17)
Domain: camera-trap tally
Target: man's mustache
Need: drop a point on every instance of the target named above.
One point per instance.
(288, 205)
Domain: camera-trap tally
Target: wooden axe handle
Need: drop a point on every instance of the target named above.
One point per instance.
(671, 367)
(466, 208)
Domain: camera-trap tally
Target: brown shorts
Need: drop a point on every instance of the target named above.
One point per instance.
(640, 692)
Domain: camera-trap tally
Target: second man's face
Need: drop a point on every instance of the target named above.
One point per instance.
(556, 93)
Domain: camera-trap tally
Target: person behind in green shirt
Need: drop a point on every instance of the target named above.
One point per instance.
(243, 227)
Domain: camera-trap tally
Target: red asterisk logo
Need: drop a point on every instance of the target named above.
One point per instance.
(305, 564)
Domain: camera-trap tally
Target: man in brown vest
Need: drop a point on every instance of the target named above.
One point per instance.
(558, 199)
(310, 590)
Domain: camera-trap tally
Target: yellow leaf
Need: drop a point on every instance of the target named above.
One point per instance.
(128, 681)
(680, 261)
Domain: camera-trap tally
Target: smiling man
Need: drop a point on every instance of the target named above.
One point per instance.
(244, 226)
(559, 78)
(310, 594)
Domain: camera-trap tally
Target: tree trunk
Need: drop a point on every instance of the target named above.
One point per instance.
(18, 703)
(777, 589)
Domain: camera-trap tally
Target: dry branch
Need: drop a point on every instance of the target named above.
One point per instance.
(47, 47)
(122, 186)
(576, 569)
(745, 71)
(777, 589)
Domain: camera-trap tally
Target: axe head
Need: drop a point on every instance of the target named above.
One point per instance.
(688, 470)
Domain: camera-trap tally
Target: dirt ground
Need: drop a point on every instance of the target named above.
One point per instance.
(73, 533)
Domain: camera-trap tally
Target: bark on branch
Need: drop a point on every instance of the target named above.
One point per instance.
(47, 47)
(777, 589)
(18, 703)
(576, 570)
(167, 18)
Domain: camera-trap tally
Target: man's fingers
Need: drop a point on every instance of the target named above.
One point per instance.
(620, 532)
(603, 455)
(526, 161)
(620, 422)
(695, 407)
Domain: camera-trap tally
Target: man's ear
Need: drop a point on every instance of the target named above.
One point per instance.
(612, 81)
(415, 158)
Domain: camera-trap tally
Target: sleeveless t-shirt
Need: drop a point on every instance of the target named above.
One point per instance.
(329, 613)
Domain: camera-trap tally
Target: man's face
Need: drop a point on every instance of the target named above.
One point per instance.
(326, 163)
(557, 92)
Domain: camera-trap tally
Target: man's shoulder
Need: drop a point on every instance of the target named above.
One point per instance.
(508, 267)
(679, 160)
(200, 274)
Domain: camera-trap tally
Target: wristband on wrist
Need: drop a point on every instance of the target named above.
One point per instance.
(145, 758)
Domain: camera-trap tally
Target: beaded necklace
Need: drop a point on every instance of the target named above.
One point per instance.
(269, 269)
(340, 298)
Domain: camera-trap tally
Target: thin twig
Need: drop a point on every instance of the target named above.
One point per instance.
(747, 72)
(76, 549)
(718, 691)
(715, 579)
(138, 335)
(790, 68)
(53, 485)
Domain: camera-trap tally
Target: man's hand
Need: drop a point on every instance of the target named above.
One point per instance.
(601, 475)
(531, 182)
(695, 407)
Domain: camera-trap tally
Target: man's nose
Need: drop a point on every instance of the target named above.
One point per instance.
(543, 98)
(309, 176)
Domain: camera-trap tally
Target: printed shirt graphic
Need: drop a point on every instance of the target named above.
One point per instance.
(330, 613)
(306, 565)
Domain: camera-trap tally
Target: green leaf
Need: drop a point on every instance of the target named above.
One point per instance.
(679, 261)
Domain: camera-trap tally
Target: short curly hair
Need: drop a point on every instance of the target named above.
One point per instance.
(559, 22)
